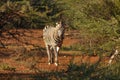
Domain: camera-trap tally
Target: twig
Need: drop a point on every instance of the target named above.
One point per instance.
(113, 56)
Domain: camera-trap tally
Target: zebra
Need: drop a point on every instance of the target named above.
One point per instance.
(53, 39)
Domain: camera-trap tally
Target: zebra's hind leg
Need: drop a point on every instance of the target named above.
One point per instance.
(51, 55)
(56, 55)
(48, 53)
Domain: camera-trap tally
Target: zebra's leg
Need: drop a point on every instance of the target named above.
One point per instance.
(58, 48)
(48, 53)
(56, 55)
(51, 55)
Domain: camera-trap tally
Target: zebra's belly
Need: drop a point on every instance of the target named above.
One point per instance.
(53, 42)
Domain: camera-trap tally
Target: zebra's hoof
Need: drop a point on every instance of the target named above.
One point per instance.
(56, 64)
(49, 63)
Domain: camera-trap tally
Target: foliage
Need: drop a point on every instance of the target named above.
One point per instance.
(20, 14)
(74, 47)
(98, 21)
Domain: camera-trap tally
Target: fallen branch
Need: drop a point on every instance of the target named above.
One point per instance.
(113, 56)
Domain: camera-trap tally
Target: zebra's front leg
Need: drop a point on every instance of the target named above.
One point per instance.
(56, 55)
(58, 48)
(48, 53)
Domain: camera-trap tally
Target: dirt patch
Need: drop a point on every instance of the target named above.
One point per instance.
(39, 63)
(30, 40)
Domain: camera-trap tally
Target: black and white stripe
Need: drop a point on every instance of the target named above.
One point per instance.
(53, 38)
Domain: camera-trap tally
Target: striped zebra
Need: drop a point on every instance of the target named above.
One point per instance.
(53, 38)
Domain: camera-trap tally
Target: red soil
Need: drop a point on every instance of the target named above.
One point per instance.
(34, 38)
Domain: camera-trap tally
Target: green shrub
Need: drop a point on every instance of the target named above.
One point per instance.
(7, 67)
(74, 47)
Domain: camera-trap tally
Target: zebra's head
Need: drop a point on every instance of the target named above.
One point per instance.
(58, 25)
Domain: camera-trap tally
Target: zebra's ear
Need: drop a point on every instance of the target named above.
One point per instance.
(58, 25)
(45, 27)
(59, 22)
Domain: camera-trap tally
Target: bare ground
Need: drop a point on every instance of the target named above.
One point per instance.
(26, 42)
